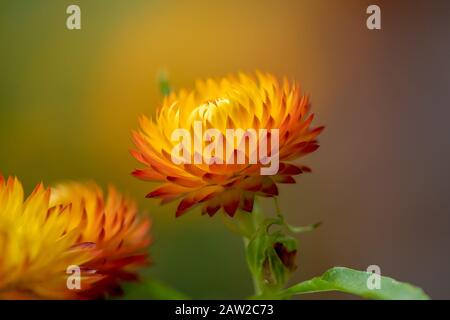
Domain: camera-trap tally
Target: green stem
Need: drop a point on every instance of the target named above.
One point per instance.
(277, 207)
(248, 224)
(256, 282)
(267, 270)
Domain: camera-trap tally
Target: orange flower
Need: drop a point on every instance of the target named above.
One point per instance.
(261, 106)
(52, 230)
(112, 226)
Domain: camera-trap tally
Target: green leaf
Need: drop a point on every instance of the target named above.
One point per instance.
(275, 269)
(271, 270)
(258, 245)
(256, 249)
(355, 282)
(288, 242)
(303, 229)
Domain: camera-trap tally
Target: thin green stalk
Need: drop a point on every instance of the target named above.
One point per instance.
(248, 224)
(256, 283)
(277, 207)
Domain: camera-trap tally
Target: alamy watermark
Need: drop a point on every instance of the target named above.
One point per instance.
(73, 21)
(74, 280)
(374, 280)
(240, 147)
(374, 20)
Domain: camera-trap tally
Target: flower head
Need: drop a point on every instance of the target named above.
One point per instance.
(114, 228)
(219, 168)
(44, 235)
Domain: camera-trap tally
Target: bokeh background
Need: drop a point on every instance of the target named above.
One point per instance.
(69, 99)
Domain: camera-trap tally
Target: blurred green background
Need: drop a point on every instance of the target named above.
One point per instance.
(69, 99)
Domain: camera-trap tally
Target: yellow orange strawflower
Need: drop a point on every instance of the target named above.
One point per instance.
(49, 231)
(242, 101)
